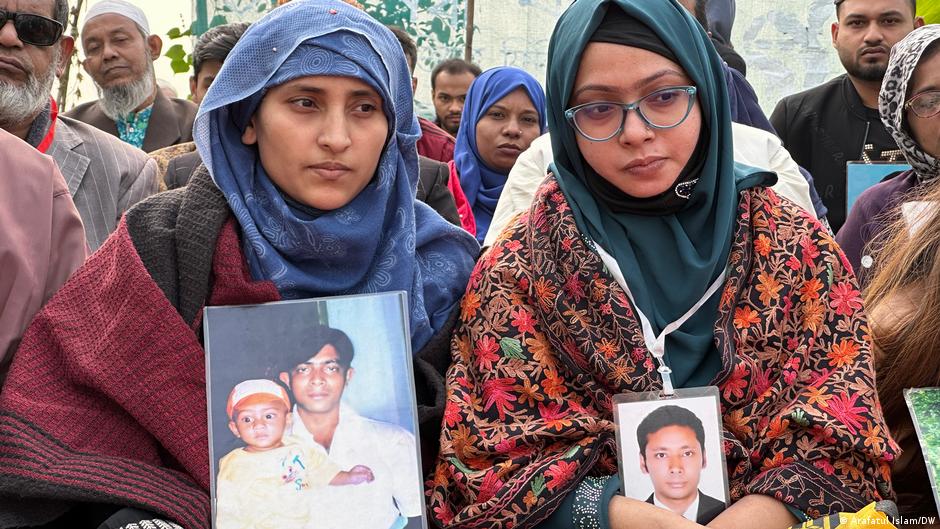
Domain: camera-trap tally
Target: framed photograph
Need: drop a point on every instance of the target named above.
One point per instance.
(859, 176)
(312, 415)
(670, 451)
(924, 404)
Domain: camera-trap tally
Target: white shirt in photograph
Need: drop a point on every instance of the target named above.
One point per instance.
(389, 451)
(690, 514)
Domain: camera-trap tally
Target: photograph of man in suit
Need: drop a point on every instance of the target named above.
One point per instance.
(672, 453)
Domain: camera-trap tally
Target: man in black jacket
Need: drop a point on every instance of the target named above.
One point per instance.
(837, 122)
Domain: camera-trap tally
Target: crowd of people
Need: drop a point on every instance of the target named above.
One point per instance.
(637, 223)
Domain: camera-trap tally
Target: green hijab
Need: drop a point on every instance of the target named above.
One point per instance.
(669, 260)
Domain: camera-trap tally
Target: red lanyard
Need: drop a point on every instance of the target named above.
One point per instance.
(50, 134)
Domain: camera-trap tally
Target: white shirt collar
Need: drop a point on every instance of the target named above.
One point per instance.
(690, 514)
(348, 419)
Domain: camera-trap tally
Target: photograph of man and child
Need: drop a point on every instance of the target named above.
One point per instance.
(314, 442)
(674, 448)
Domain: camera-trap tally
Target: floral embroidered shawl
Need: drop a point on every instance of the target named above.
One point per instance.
(547, 336)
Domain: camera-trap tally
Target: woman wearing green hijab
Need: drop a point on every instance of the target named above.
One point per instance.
(649, 251)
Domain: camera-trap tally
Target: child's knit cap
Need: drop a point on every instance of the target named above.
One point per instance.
(256, 392)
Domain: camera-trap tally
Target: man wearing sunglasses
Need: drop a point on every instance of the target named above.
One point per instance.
(104, 175)
(119, 54)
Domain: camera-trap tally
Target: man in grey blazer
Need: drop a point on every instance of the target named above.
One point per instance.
(104, 175)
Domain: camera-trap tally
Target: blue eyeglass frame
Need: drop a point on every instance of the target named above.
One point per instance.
(627, 107)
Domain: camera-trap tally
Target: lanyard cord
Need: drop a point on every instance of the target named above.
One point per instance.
(657, 344)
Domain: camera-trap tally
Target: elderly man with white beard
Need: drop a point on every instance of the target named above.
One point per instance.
(104, 175)
(119, 53)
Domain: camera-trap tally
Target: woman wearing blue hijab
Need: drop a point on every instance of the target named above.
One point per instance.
(325, 199)
(649, 260)
(308, 137)
(503, 113)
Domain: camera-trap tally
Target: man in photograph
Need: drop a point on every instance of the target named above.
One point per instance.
(672, 453)
(317, 383)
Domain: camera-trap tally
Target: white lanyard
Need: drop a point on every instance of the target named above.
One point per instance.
(657, 344)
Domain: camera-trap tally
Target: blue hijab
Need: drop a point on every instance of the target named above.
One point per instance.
(383, 240)
(481, 184)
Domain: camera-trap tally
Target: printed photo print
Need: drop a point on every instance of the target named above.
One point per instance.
(312, 415)
(924, 404)
(670, 455)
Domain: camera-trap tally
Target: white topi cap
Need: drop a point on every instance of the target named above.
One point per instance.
(120, 7)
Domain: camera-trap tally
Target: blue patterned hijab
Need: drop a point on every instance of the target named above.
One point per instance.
(481, 184)
(383, 240)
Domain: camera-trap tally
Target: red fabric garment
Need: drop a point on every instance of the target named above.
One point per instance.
(435, 142)
(463, 206)
(50, 134)
(105, 401)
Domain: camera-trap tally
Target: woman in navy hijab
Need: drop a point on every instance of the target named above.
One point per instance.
(504, 112)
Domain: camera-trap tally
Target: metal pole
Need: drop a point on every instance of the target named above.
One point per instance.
(62, 96)
(468, 45)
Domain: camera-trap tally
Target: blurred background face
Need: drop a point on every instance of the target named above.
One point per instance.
(116, 52)
(926, 81)
(506, 129)
(320, 138)
(674, 461)
(641, 161)
(450, 92)
(865, 33)
(199, 84)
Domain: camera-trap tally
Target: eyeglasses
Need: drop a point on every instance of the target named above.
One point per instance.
(663, 109)
(925, 104)
(33, 29)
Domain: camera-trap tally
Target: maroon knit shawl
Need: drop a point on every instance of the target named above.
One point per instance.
(106, 401)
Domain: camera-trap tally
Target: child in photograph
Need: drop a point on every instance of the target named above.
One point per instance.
(267, 483)
(672, 453)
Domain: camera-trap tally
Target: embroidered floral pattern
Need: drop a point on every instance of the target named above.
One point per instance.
(133, 128)
(547, 336)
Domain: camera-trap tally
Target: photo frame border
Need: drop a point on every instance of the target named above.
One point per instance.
(678, 396)
(919, 432)
(325, 301)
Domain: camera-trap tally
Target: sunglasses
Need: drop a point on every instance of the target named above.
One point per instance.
(33, 29)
